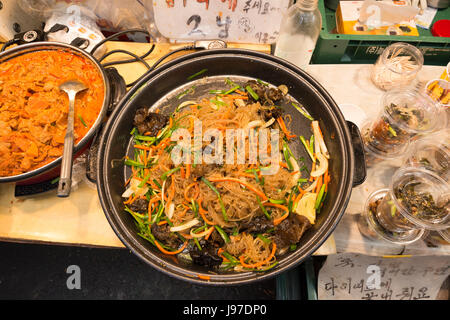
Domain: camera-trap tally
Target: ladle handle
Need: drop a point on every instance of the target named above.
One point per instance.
(65, 180)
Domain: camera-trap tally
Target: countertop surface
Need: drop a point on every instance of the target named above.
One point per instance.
(79, 219)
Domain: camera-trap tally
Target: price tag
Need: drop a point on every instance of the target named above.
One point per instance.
(245, 21)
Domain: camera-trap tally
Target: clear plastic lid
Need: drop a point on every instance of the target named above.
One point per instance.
(370, 226)
(422, 197)
(445, 234)
(432, 153)
(411, 111)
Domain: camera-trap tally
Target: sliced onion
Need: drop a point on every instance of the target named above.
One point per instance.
(201, 234)
(134, 189)
(185, 226)
(312, 186)
(268, 123)
(162, 192)
(283, 88)
(319, 143)
(322, 167)
(184, 104)
(170, 210)
(253, 124)
(239, 103)
(295, 168)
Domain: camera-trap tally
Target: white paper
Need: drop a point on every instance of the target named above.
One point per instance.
(251, 21)
(350, 276)
(425, 19)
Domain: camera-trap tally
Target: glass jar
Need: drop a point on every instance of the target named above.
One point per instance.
(397, 66)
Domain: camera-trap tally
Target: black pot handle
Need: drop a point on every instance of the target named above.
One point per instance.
(118, 89)
(360, 172)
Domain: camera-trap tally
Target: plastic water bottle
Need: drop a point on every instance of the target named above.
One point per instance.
(299, 32)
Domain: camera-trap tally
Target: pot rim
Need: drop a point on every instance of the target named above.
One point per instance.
(52, 45)
(293, 259)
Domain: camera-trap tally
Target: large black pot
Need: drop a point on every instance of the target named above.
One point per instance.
(159, 90)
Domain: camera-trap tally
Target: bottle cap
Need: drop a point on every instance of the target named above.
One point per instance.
(441, 28)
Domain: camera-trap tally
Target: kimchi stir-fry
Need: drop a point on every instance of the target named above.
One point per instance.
(33, 110)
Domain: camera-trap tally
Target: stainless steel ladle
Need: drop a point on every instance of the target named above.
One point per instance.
(65, 181)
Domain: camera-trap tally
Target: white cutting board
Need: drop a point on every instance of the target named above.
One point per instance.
(245, 21)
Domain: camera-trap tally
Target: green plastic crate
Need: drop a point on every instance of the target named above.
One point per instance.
(347, 48)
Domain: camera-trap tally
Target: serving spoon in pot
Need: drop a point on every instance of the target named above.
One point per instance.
(65, 181)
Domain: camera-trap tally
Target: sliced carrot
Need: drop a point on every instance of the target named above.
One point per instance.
(131, 200)
(138, 146)
(210, 231)
(187, 190)
(170, 252)
(284, 129)
(203, 213)
(319, 184)
(284, 165)
(203, 277)
(188, 170)
(279, 220)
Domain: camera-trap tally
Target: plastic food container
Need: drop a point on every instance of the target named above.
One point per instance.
(432, 154)
(370, 226)
(397, 66)
(405, 115)
(437, 238)
(439, 89)
(417, 198)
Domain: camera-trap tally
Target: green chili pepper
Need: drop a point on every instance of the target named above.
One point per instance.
(232, 90)
(222, 206)
(198, 244)
(222, 234)
(218, 103)
(157, 183)
(319, 197)
(287, 156)
(82, 121)
(197, 74)
(145, 138)
(133, 163)
(276, 201)
(168, 173)
(143, 182)
(252, 93)
(216, 91)
(267, 214)
(230, 257)
(303, 112)
(302, 139)
(264, 239)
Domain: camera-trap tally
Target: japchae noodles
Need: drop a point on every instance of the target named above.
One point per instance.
(224, 215)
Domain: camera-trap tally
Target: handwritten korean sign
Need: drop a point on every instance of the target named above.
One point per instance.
(246, 21)
(351, 276)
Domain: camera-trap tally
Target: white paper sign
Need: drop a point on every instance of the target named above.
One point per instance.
(247, 21)
(350, 276)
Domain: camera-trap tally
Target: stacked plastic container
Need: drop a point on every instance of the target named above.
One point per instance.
(412, 129)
